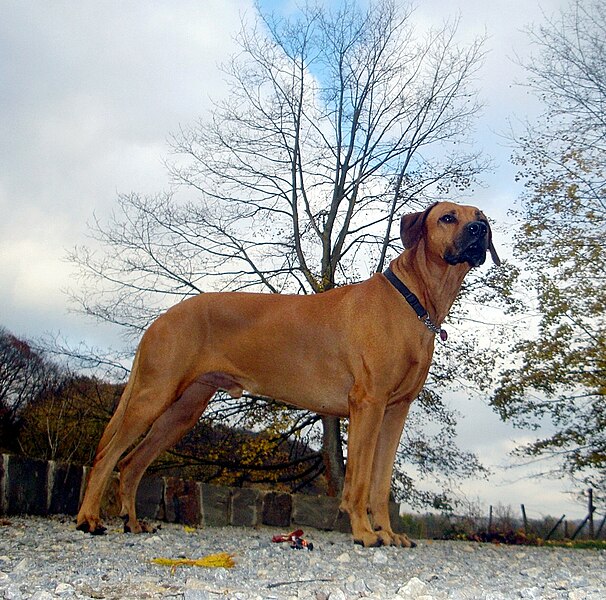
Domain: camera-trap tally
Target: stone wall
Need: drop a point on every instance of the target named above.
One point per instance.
(30, 486)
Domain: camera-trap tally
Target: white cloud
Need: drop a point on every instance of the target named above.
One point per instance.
(90, 93)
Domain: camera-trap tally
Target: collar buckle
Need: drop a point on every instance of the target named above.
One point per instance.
(422, 314)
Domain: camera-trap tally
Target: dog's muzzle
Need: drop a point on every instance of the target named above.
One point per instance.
(470, 246)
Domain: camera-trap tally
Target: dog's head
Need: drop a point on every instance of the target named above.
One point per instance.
(459, 234)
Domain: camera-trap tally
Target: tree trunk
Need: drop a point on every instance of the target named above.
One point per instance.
(332, 453)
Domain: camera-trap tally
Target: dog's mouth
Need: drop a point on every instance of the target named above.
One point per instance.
(471, 251)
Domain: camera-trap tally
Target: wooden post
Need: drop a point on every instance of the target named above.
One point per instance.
(555, 527)
(490, 519)
(588, 518)
(525, 519)
(590, 511)
(597, 535)
(580, 528)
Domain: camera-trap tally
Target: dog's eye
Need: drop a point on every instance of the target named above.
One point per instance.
(448, 218)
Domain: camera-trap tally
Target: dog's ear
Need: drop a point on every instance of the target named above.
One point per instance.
(411, 227)
(493, 253)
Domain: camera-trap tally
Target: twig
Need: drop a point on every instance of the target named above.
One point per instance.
(280, 583)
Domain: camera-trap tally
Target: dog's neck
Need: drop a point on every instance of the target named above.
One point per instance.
(441, 281)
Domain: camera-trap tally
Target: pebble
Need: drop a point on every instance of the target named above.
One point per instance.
(379, 558)
(47, 558)
(413, 589)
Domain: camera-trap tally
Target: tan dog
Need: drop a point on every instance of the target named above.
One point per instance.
(358, 351)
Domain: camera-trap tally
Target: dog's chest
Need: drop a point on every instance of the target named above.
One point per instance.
(408, 372)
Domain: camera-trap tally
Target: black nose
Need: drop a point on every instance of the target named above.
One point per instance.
(477, 228)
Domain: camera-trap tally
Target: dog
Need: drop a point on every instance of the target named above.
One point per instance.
(361, 351)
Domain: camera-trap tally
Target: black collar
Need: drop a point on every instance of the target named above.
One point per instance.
(414, 302)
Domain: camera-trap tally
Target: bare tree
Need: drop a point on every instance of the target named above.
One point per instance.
(336, 123)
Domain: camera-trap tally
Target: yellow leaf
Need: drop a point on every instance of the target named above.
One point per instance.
(221, 559)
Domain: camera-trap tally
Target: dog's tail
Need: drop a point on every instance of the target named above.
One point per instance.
(128, 390)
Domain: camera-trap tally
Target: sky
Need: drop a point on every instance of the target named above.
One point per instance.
(89, 95)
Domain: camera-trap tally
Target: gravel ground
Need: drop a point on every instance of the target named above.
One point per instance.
(45, 558)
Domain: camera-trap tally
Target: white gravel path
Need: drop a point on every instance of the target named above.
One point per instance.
(44, 558)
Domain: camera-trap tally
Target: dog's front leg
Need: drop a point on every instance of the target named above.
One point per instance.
(364, 415)
(382, 470)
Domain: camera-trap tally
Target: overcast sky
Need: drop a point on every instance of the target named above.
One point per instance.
(90, 92)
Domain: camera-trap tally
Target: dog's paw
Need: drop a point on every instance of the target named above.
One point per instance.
(134, 526)
(94, 527)
(401, 540)
(389, 538)
(371, 540)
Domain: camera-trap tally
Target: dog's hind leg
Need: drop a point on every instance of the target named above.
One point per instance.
(147, 395)
(166, 431)
(122, 431)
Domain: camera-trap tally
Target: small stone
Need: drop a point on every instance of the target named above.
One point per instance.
(90, 591)
(531, 572)
(64, 589)
(413, 589)
(376, 585)
(533, 593)
(41, 595)
(358, 586)
(13, 592)
(344, 558)
(194, 594)
(153, 540)
(579, 582)
(23, 566)
(380, 557)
